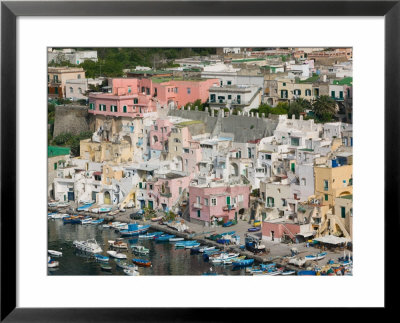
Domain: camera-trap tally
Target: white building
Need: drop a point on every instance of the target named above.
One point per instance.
(71, 55)
(76, 89)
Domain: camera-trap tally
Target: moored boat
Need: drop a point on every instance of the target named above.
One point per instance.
(99, 221)
(176, 239)
(131, 272)
(117, 255)
(106, 267)
(254, 229)
(243, 263)
(164, 237)
(52, 263)
(141, 262)
(117, 244)
(141, 250)
(55, 253)
(90, 246)
(288, 272)
(101, 258)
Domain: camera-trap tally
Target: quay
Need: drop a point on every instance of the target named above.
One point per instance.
(276, 251)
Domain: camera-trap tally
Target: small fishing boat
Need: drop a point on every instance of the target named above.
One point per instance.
(51, 263)
(86, 220)
(157, 219)
(101, 258)
(275, 272)
(52, 204)
(228, 224)
(63, 204)
(105, 267)
(124, 265)
(288, 272)
(164, 237)
(257, 223)
(90, 246)
(206, 249)
(317, 256)
(99, 221)
(243, 263)
(117, 255)
(151, 235)
(131, 272)
(141, 250)
(223, 256)
(176, 239)
(72, 220)
(84, 207)
(134, 230)
(190, 246)
(55, 253)
(306, 273)
(254, 229)
(141, 262)
(117, 244)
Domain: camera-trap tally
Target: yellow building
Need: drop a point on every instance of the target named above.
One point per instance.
(288, 89)
(111, 172)
(331, 182)
(106, 151)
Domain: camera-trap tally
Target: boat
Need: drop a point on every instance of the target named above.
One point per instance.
(124, 265)
(243, 263)
(176, 239)
(97, 221)
(134, 230)
(117, 255)
(206, 249)
(90, 246)
(52, 263)
(141, 262)
(253, 244)
(55, 253)
(84, 207)
(52, 204)
(63, 204)
(298, 261)
(164, 237)
(60, 216)
(131, 272)
(257, 223)
(150, 235)
(222, 257)
(184, 244)
(306, 273)
(86, 220)
(72, 220)
(101, 258)
(275, 272)
(228, 224)
(157, 219)
(224, 241)
(288, 272)
(317, 256)
(141, 250)
(255, 229)
(194, 245)
(105, 267)
(118, 244)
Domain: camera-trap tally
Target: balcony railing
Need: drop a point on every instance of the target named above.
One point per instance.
(229, 207)
(166, 194)
(197, 206)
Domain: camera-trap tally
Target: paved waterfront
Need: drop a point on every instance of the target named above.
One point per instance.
(277, 250)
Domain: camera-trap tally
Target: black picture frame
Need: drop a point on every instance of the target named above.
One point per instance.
(10, 10)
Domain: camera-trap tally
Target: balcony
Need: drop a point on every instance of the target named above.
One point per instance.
(166, 194)
(229, 207)
(197, 206)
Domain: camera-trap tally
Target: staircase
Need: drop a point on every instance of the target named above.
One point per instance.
(341, 226)
(128, 197)
(290, 233)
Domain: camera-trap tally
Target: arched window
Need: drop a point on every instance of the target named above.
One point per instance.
(79, 76)
(155, 139)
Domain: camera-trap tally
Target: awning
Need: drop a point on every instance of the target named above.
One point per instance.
(305, 234)
(97, 173)
(330, 239)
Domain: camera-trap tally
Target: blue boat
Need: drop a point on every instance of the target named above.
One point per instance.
(306, 273)
(134, 230)
(72, 220)
(243, 263)
(184, 244)
(254, 229)
(228, 224)
(84, 207)
(224, 241)
(101, 258)
(141, 262)
(97, 221)
(164, 238)
(228, 233)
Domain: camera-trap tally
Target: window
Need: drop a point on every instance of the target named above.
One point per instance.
(113, 108)
(240, 198)
(326, 185)
(198, 213)
(229, 82)
(267, 156)
(56, 90)
(124, 109)
(284, 84)
(55, 166)
(295, 141)
(343, 212)
(238, 99)
(79, 76)
(333, 94)
(213, 201)
(71, 89)
(283, 202)
(188, 90)
(205, 202)
(198, 199)
(212, 97)
(229, 97)
(91, 106)
(129, 89)
(341, 94)
(326, 197)
(135, 101)
(55, 78)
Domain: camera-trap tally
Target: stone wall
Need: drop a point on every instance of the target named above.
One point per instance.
(244, 127)
(72, 119)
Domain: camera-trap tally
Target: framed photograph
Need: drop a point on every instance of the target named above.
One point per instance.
(203, 147)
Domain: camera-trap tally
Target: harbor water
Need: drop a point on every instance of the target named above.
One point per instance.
(165, 259)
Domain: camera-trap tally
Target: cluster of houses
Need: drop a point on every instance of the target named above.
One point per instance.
(208, 163)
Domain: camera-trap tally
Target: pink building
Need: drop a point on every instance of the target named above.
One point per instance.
(191, 157)
(133, 96)
(159, 134)
(278, 230)
(165, 192)
(208, 201)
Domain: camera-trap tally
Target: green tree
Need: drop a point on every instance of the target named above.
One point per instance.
(298, 106)
(324, 108)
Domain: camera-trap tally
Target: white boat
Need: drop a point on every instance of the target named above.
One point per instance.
(90, 246)
(289, 272)
(51, 263)
(62, 204)
(86, 221)
(272, 273)
(140, 250)
(176, 239)
(118, 244)
(131, 272)
(106, 226)
(297, 261)
(117, 255)
(52, 204)
(223, 257)
(55, 253)
(190, 246)
(60, 215)
(206, 249)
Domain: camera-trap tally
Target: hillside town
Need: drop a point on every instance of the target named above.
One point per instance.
(246, 150)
